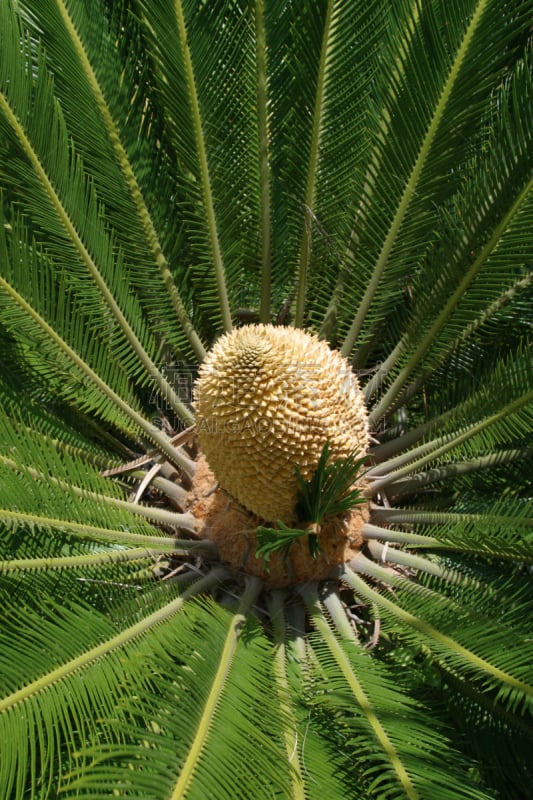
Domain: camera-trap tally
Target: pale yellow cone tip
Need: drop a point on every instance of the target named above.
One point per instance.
(268, 398)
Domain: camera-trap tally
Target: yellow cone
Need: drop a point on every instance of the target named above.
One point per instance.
(268, 398)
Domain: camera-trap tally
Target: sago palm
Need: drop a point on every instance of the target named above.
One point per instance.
(301, 569)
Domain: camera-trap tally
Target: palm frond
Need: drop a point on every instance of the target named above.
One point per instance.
(169, 170)
(421, 140)
(492, 651)
(47, 488)
(84, 636)
(509, 522)
(510, 384)
(58, 182)
(207, 112)
(117, 137)
(381, 714)
(502, 259)
(208, 704)
(26, 316)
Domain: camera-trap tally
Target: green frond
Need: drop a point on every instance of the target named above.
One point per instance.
(58, 182)
(281, 680)
(31, 326)
(381, 715)
(83, 636)
(43, 488)
(207, 703)
(501, 408)
(214, 139)
(74, 562)
(503, 530)
(420, 140)
(265, 211)
(477, 646)
(326, 137)
(460, 299)
(117, 137)
(50, 420)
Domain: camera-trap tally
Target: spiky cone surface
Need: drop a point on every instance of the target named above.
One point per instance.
(267, 399)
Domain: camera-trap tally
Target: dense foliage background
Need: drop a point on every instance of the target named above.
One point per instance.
(170, 170)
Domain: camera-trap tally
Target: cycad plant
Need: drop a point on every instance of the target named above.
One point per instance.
(354, 177)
